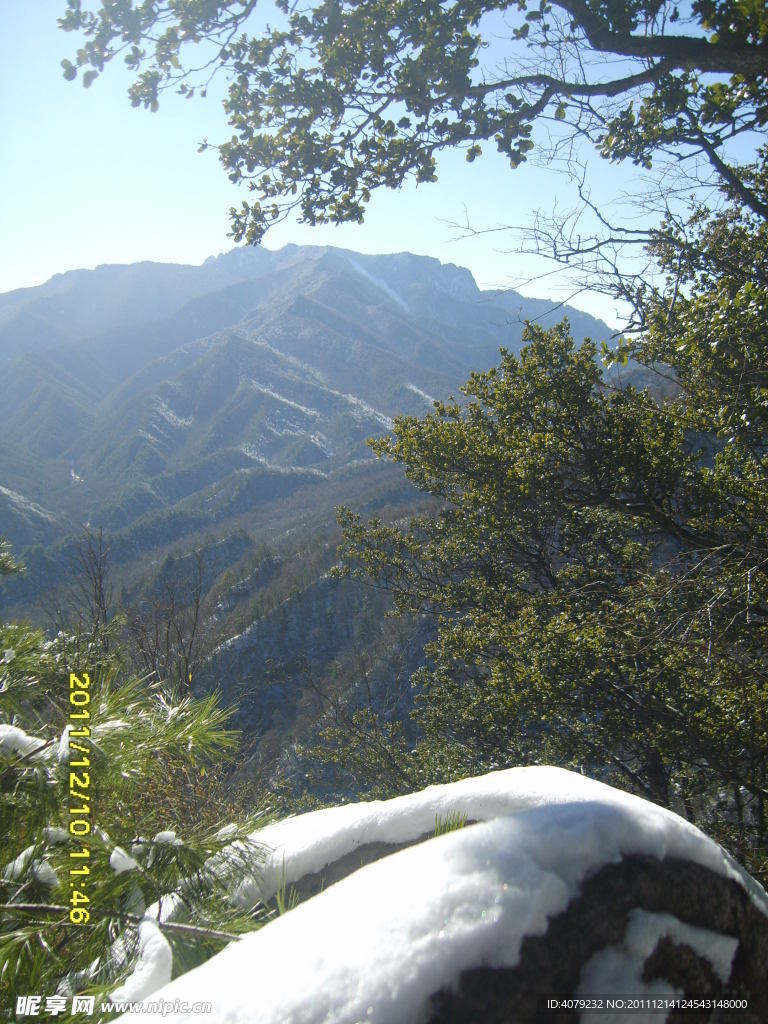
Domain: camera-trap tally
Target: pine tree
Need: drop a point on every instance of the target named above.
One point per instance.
(101, 819)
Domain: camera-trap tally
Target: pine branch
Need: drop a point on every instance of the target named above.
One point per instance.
(169, 926)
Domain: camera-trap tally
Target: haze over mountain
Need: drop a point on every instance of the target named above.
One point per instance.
(129, 389)
(226, 407)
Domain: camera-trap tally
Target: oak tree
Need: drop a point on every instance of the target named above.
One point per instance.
(600, 567)
(342, 97)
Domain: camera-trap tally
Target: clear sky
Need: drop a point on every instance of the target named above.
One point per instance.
(87, 179)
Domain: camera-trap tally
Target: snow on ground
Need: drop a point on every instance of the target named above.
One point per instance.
(361, 410)
(377, 944)
(252, 452)
(170, 416)
(284, 426)
(271, 393)
(23, 504)
(422, 394)
(321, 441)
(154, 442)
(379, 283)
(286, 357)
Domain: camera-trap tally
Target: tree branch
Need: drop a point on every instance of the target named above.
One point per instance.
(169, 926)
(682, 51)
(560, 87)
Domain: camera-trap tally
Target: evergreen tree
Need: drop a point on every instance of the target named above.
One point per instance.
(106, 811)
(600, 564)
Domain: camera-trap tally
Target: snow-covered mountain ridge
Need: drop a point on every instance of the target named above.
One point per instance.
(136, 389)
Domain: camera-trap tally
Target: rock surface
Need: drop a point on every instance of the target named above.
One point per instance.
(584, 946)
(561, 888)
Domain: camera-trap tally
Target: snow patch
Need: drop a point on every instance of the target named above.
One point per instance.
(369, 412)
(619, 968)
(264, 389)
(285, 357)
(120, 861)
(62, 748)
(23, 504)
(379, 283)
(307, 843)
(168, 837)
(170, 416)
(321, 441)
(55, 836)
(15, 741)
(112, 725)
(252, 452)
(280, 426)
(26, 861)
(422, 394)
(362, 411)
(155, 442)
(153, 969)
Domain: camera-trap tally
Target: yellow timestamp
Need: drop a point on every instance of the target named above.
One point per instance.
(79, 794)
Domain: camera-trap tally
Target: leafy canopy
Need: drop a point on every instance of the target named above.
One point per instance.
(599, 569)
(346, 96)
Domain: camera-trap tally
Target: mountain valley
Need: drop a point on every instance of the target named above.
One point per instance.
(225, 409)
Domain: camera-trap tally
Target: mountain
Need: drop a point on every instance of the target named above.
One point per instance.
(128, 389)
(227, 407)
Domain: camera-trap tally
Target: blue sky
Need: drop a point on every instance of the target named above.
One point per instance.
(87, 179)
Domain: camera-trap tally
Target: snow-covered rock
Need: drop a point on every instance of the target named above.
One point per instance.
(557, 886)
